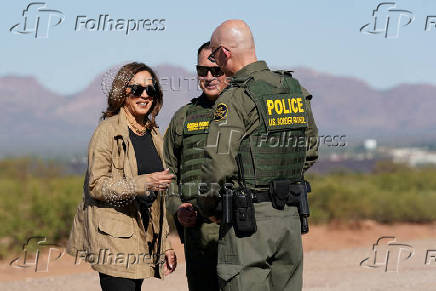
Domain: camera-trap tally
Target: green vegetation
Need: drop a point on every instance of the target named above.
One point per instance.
(37, 198)
(392, 193)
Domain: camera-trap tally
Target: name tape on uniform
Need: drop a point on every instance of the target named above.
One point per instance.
(193, 126)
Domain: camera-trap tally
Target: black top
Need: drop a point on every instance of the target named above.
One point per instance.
(148, 161)
(147, 157)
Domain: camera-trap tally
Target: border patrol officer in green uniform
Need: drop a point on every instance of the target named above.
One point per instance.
(261, 140)
(184, 154)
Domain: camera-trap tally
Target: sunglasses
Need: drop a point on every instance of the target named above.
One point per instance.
(137, 90)
(211, 57)
(215, 71)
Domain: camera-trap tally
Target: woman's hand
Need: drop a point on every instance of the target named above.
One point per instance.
(153, 182)
(159, 180)
(170, 262)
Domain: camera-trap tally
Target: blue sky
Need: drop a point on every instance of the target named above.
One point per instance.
(321, 35)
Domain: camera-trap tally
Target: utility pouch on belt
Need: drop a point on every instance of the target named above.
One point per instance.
(244, 220)
(279, 192)
(243, 215)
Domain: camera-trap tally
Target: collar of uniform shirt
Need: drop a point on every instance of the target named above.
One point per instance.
(246, 71)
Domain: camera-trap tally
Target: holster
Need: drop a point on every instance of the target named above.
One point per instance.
(283, 192)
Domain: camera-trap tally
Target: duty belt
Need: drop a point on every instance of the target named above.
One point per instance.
(261, 196)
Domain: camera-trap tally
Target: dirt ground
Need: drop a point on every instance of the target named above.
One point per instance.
(332, 257)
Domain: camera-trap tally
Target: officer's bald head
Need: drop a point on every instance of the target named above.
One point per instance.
(234, 33)
(235, 37)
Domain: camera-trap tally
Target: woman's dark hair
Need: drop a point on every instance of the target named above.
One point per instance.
(117, 94)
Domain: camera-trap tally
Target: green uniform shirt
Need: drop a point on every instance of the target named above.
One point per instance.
(184, 154)
(236, 116)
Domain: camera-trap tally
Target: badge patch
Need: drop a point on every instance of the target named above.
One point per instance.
(220, 112)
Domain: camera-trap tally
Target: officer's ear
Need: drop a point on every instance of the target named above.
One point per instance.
(227, 53)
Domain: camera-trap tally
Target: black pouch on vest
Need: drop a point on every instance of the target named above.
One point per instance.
(279, 192)
(244, 220)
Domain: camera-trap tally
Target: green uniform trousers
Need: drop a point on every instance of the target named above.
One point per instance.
(201, 252)
(270, 259)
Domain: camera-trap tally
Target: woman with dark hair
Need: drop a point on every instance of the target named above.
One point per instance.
(120, 226)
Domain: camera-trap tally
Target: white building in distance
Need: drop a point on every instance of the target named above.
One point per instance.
(413, 156)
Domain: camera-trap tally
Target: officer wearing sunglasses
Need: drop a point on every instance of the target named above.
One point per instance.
(184, 154)
(260, 247)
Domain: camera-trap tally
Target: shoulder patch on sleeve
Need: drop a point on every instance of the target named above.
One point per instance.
(220, 112)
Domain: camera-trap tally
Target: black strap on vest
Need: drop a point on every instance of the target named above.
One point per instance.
(240, 170)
